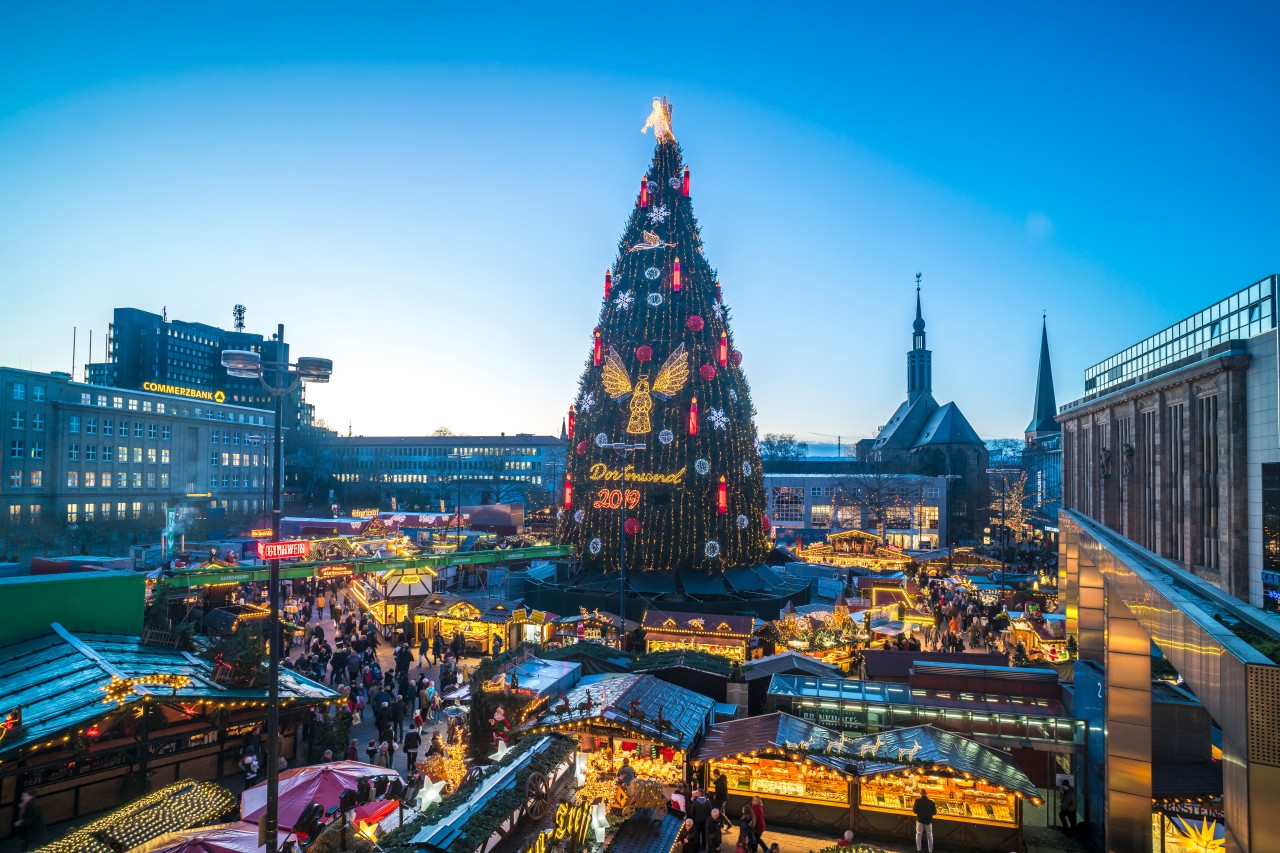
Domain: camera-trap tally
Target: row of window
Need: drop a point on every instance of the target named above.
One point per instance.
(237, 460)
(159, 407)
(121, 480)
(235, 481)
(121, 453)
(109, 427)
(18, 420)
(76, 514)
(18, 390)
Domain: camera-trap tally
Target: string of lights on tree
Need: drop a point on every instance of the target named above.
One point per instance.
(662, 370)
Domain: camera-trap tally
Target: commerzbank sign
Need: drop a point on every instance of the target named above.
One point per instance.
(180, 391)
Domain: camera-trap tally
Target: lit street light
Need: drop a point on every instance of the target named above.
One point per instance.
(623, 450)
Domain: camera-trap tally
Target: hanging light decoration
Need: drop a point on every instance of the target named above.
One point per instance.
(571, 416)
(724, 349)
(608, 284)
(595, 353)
(632, 526)
(568, 493)
(684, 186)
(675, 277)
(693, 417)
(644, 191)
(717, 291)
(722, 497)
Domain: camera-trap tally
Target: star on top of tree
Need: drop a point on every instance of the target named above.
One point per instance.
(660, 120)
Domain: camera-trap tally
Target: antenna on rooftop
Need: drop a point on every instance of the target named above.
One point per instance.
(237, 314)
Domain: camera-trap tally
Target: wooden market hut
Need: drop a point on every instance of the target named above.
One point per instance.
(640, 717)
(727, 636)
(481, 620)
(594, 626)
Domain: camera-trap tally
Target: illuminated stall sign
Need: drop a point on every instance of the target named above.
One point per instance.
(300, 549)
(572, 823)
(601, 471)
(333, 572)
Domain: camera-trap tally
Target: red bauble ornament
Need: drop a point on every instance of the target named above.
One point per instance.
(568, 494)
(722, 497)
(644, 191)
(693, 417)
(583, 447)
(695, 323)
(724, 349)
(764, 520)
(684, 186)
(595, 351)
(675, 276)
(632, 526)
(644, 353)
(707, 372)
(608, 283)
(737, 357)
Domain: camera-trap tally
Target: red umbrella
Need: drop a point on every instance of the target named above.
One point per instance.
(224, 838)
(301, 786)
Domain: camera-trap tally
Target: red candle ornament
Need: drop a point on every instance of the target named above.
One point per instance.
(644, 191)
(684, 186)
(632, 526)
(568, 493)
(717, 291)
(583, 447)
(571, 414)
(608, 284)
(695, 323)
(693, 417)
(707, 372)
(722, 497)
(595, 353)
(644, 353)
(724, 349)
(675, 277)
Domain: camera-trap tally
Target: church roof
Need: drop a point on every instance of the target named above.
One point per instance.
(947, 425)
(1042, 415)
(907, 423)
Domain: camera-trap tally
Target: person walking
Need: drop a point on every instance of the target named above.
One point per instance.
(412, 743)
(1067, 807)
(29, 822)
(353, 751)
(437, 649)
(720, 787)
(757, 824)
(399, 709)
(700, 813)
(746, 829)
(383, 756)
(925, 809)
(714, 834)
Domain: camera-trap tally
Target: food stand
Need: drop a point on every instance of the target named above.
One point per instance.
(727, 636)
(593, 627)
(1044, 636)
(639, 717)
(481, 620)
(390, 596)
(978, 790)
(799, 768)
(531, 626)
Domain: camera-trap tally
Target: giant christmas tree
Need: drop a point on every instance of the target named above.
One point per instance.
(662, 372)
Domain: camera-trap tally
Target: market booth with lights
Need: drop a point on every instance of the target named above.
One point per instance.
(727, 636)
(633, 716)
(481, 621)
(89, 711)
(593, 626)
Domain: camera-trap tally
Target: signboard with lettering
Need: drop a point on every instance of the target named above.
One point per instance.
(299, 549)
(364, 513)
(601, 471)
(261, 533)
(410, 579)
(333, 572)
(181, 391)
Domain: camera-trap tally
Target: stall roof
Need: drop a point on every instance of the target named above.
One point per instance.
(697, 583)
(597, 616)
(611, 699)
(546, 677)
(789, 663)
(699, 623)
(745, 580)
(494, 610)
(784, 732)
(934, 746)
(58, 679)
(594, 657)
(853, 690)
(652, 582)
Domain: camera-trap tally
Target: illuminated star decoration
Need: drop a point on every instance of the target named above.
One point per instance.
(503, 749)
(623, 300)
(430, 793)
(658, 214)
(718, 418)
(588, 400)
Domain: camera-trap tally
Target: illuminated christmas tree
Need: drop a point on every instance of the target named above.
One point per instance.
(662, 371)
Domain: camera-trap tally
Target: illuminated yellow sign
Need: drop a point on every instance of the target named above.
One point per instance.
(601, 471)
(180, 391)
(261, 533)
(364, 513)
(410, 579)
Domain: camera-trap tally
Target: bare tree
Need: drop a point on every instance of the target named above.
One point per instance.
(782, 447)
(874, 495)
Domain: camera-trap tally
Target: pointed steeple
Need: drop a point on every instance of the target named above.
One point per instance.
(919, 360)
(564, 431)
(1046, 407)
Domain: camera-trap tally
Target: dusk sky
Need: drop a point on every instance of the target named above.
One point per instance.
(429, 194)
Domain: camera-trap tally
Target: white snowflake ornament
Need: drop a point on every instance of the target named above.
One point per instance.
(601, 439)
(595, 546)
(579, 515)
(666, 436)
(742, 522)
(652, 273)
(559, 514)
(658, 214)
(718, 418)
(588, 400)
(713, 549)
(623, 300)
(718, 311)
(733, 395)
(655, 299)
(702, 466)
(746, 469)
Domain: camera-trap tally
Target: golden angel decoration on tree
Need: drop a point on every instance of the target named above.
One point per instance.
(660, 120)
(617, 384)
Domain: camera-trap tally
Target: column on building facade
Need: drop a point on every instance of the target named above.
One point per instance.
(1091, 595)
(1128, 726)
(1233, 485)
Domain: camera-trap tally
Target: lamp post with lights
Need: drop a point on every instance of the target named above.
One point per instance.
(623, 450)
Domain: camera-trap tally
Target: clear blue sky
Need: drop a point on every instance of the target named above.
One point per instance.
(429, 194)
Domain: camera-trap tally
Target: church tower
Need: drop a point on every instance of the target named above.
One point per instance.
(1046, 405)
(919, 360)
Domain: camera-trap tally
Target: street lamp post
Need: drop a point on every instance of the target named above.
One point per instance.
(623, 450)
(279, 379)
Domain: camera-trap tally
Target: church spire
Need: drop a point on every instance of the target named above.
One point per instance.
(919, 360)
(1046, 406)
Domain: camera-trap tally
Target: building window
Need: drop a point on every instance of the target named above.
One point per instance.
(151, 431)
(137, 509)
(788, 503)
(213, 437)
(37, 393)
(137, 479)
(36, 479)
(19, 391)
(88, 512)
(133, 405)
(226, 459)
(108, 426)
(146, 405)
(91, 426)
(235, 460)
(137, 429)
(91, 453)
(15, 478)
(106, 511)
(137, 455)
(102, 400)
(73, 453)
(164, 479)
(164, 456)
(15, 512)
(820, 515)
(73, 424)
(86, 399)
(73, 513)
(17, 420)
(108, 453)
(224, 480)
(235, 481)
(235, 439)
(151, 480)
(106, 484)
(117, 402)
(166, 432)
(213, 481)
(90, 478)
(213, 459)
(37, 450)
(151, 455)
(34, 511)
(73, 479)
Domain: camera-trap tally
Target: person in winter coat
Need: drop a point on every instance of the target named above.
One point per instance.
(412, 743)
(383, 756)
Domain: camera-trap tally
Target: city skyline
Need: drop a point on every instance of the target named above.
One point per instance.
(335, 175)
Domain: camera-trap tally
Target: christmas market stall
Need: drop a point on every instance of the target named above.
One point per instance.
(727, 636)
(482, 621)
(1044, 636)
(797, 767)
(978, 790)
(594, 627)
(391, 596)
(636, 717)
(94, 713)
(531, 626)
